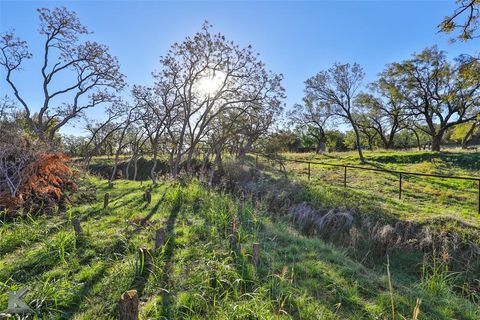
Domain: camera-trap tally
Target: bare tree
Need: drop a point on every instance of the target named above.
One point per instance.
(130, 115)
(99, 133)
(210, 76)
(75, 76)
(336, 89)
(156, 108)
(135, 142)
(254, 124)
(7, 107)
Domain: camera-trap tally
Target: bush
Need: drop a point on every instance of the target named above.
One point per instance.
(31, 177)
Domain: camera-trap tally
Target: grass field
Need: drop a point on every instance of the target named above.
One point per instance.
(197, 275)
(423, 198)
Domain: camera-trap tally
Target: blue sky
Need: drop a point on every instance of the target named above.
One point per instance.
(295, 38)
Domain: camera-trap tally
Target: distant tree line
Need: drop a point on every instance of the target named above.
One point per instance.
(426, 95)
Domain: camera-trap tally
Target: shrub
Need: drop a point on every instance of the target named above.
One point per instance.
(31, 177)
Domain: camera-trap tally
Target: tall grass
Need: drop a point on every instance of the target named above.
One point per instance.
(197, 274)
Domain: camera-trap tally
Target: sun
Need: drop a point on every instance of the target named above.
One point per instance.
(211, 82)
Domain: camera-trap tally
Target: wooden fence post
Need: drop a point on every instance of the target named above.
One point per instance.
(309, 171)
(106, 199)
(159, 239)
(345, 177)
(128, 305)
(400, 187)
(148, 196)
(77, 227)
(256, 254)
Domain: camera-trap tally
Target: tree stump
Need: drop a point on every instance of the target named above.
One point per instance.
(256, 254)
(148, 196)
(106, 199)
(128, 305)
(77, 227)
(159, 239)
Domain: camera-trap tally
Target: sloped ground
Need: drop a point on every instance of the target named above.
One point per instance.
(197, 275)
(423, 198)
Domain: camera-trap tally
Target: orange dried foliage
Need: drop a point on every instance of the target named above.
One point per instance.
(47, 175)
(45, 178)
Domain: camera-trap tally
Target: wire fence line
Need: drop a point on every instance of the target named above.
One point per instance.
(401, 174)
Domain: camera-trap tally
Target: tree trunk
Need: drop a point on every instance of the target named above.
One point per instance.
(469, 134)
(127, 168)
(86, 161)
(135, 168)
(170, 160)
(153, 175)
(436, 141)
(418, 140)
(188, 166)
(319, 147)
(391, 137)
(359, 146)
(218, 159)
(206, 159)
(178, 158)
(117, 154)
(114, 171)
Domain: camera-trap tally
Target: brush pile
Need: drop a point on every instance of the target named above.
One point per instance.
(31, 177)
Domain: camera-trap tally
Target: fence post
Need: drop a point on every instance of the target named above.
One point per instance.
(148, 196)
(345, 177)
(106, 199)
(77, 227)
(256, 160)
(309, 171)
(400, 187)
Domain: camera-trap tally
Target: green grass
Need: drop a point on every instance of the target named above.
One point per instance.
(423, 198)
(197, 275)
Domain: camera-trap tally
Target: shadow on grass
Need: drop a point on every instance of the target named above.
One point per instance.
(81, 294)
(169, 252)
(463, 160)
